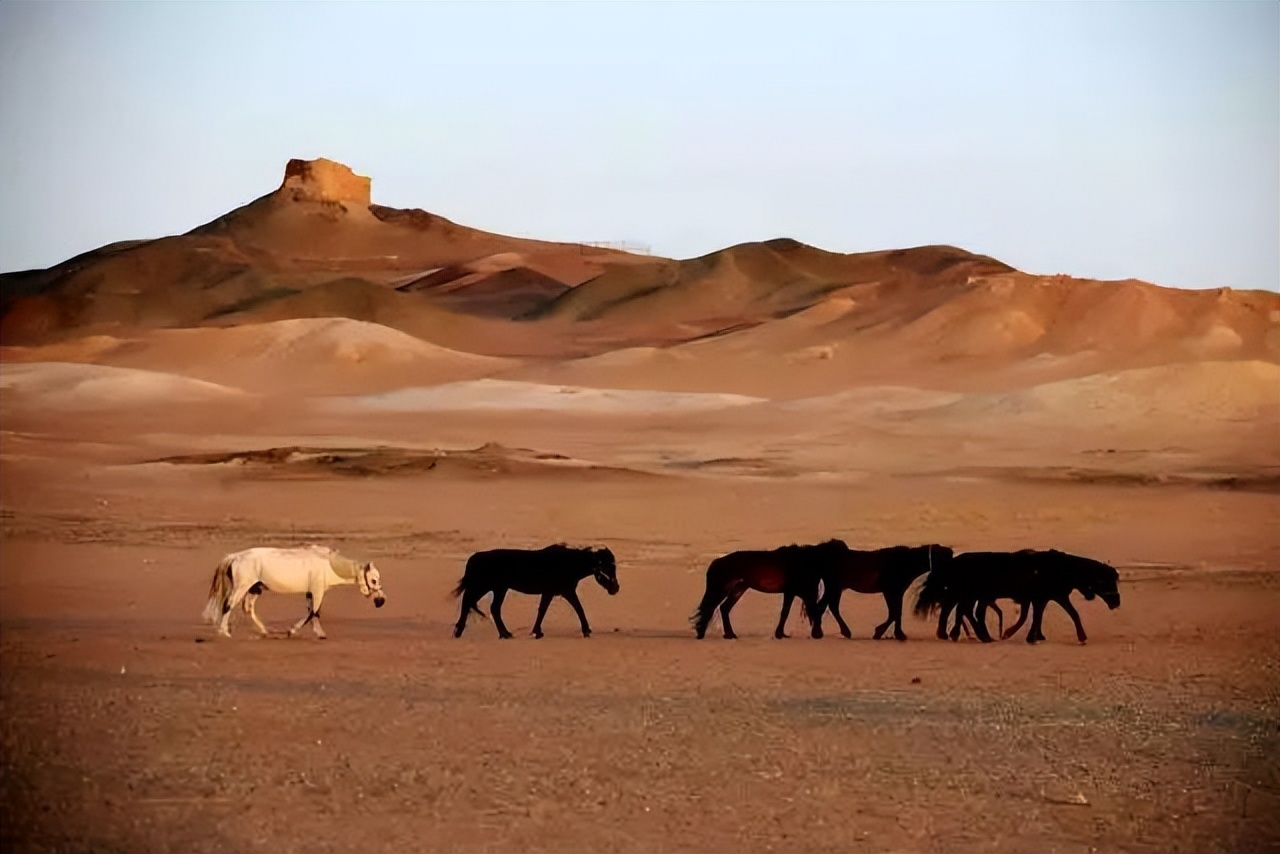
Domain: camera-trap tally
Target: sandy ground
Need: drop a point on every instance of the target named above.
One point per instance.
(127, 727)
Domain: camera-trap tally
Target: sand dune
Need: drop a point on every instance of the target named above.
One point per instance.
(491, 394)
(1209, 391)
(303, 356)
(60, 386)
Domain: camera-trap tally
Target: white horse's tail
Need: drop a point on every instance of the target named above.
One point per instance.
(219, 590)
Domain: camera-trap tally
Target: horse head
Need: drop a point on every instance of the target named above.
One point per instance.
(1099, 579)
(605, 570)
(370, 582)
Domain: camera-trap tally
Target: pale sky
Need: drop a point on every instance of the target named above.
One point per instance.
(1107, 140)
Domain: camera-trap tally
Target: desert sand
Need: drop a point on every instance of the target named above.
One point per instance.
(316, 368)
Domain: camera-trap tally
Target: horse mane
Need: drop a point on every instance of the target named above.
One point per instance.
(794, 550)
(343, 566)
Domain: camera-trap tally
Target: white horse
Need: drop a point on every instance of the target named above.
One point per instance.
(243, 576)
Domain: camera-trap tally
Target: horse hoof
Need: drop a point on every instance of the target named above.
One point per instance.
(537, 635)
(730, 636)
(847, 635)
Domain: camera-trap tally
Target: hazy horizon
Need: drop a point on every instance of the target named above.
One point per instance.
(1099, 140)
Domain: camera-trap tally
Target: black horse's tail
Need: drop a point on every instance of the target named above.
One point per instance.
(819, 595)
(932, 595)
(701, 616)
(813, 615)
(706, 610)
(462, 588)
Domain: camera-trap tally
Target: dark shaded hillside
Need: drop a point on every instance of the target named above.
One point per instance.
(320, 225)
(758, 281)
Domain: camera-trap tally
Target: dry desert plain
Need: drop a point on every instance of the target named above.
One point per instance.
(140, 447)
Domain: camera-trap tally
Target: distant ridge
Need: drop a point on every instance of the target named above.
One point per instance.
(318, 247)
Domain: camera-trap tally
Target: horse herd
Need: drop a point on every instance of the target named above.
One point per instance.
(965, 585)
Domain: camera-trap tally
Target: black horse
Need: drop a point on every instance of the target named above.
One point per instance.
(793, 571)
(889, 571)
(550, 572)
(974, 580)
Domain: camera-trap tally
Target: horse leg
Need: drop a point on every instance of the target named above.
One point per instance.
(1065, 602)
(315, 614)
(999, 617)
(1024, 607)
(572, 597)
(469, 600)
(249, 602)
(542, 612)
(895, 614)
(894, 602)
(1037, 616)
(726, 606)
(707, 609)
(782, 618)
(834, 604)
(944, 614)
(888, 621)
(306, 618)
(237, 596)
(495, 610)
(978, 616)
(960, 608)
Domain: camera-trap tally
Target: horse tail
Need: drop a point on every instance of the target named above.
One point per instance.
(462, 588)
(931, 596)
(219, 590)
(714, 595)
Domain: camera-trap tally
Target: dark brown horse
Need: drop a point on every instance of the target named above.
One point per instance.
(793, 571)
(888, 571)
(974, 580)
(549, 572)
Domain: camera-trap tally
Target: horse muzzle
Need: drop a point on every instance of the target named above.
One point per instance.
(1112, 600)
(379, 601)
